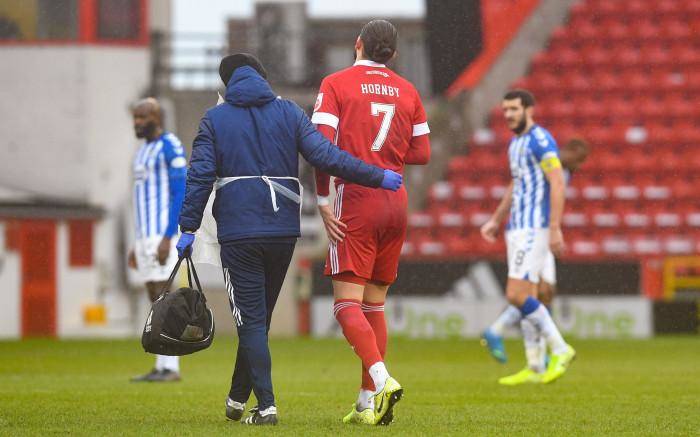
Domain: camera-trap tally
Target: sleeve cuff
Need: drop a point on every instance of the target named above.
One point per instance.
(325, 118)
(421, 129)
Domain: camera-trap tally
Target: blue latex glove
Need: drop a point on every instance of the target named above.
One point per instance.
(184, 244)
(392, 180)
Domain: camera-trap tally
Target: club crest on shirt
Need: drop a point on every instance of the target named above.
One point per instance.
(139, 173)
(319, 101)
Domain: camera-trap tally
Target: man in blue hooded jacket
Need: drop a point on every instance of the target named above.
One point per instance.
(248, 150)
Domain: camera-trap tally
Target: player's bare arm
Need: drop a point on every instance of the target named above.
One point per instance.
(163, 250)
(489, 230)
(334, 227)
(555, 176)
(131, 259)
(419, 151)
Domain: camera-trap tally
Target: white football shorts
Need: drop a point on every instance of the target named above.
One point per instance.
(549, 270)
(528, 250)
(147, 265)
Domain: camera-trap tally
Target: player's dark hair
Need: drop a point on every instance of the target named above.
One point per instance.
(525, 96)
(231, 62)
(379, 40)
(579, 144)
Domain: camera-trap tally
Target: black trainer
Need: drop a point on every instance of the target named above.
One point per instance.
(265, 417)
(234, 410)
(166, 375)
(147, 377)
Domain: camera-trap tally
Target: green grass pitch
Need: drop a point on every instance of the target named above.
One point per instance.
(614, 388)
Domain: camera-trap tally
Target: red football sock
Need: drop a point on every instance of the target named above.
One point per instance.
(357, 330)
(374, 313)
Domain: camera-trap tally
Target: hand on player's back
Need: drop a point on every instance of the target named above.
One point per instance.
(333, 225)
(489, 231)
(392, 180)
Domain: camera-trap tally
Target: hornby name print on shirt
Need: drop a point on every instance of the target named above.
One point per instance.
(383, 90)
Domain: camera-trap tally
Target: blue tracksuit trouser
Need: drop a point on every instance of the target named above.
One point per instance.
(254, 271)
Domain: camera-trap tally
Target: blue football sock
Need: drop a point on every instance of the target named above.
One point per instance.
(530, 306)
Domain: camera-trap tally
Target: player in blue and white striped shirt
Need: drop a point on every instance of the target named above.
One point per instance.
(573, 155)
(159, 172)
(534, 203)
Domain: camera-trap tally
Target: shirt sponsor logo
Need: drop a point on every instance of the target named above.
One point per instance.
(381, 73)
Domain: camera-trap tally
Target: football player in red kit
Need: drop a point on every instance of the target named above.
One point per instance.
(376, 115)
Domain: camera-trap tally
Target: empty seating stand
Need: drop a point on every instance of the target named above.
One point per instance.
(624, 75)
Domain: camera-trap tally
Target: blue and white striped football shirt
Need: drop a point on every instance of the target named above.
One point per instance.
(530, 205)
(159, 171)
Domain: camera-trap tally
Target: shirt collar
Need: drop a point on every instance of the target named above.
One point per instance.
(368, 63)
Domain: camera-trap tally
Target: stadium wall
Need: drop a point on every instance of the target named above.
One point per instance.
(10, 310)
(72, 140)
(68, 110)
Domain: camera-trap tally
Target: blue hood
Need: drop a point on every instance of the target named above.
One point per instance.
(248, 88)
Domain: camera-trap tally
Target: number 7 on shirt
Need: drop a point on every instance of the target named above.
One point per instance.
(388, 111)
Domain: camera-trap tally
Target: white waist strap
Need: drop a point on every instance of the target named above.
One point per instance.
(275, 187)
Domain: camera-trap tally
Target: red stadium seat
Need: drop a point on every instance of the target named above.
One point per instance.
(628, 57)
(636, 219)
(606, 219)
(675, 29)
(657, 192)
(645, 30)
(678, 245)
(686, 55)
(668, 220)
(442, 191)
(432, 248)
(459, 247)
(693, 219)
(575, 219)
(477, 219)
(420, 225)
(683, 190)
(586, 248)
(668, 7)
(616, 30)
(595, 192)
(647, 245)
(472, 192)
(616, 246)
(626, 192)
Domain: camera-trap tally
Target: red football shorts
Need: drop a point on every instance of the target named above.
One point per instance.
(376, 229)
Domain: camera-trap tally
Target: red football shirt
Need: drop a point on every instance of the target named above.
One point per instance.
(376, 116)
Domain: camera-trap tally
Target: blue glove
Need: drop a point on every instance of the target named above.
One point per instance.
(184, 244)
(392, 180)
